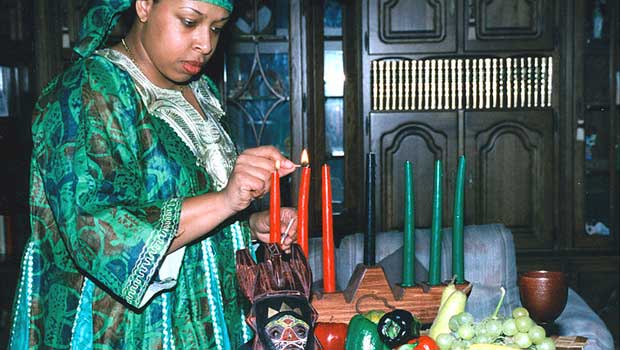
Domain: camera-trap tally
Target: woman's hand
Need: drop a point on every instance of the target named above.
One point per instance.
(259, 226)
(250, 178)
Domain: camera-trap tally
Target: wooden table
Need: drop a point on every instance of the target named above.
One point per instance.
(570, 343)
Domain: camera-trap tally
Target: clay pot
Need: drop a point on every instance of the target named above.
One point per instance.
(543, 294)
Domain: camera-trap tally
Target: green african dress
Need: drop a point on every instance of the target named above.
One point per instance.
(113, 158)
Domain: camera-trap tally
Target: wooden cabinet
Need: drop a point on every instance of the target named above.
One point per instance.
(500, 24)
(447, 26)
(428, 26)
(420, 138)
(457, 78)
(529, 92)
(510, 161)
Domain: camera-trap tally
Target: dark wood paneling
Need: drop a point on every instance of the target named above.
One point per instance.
(510, 157)
(507, 24)
(597, 280)
(353, 119)
(421, 138)
(413, 26)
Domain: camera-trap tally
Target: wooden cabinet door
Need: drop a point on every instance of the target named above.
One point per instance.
(493, 25)
(411, 26)
(510, 161)
(420, 138)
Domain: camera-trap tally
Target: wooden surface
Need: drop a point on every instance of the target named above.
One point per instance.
(369, 290)
(570, 343)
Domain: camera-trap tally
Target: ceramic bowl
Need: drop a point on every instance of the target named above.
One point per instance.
(543, 294)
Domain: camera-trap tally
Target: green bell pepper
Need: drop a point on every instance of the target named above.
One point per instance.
(362, 335)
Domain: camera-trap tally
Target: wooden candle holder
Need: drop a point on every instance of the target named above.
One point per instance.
(370, 283)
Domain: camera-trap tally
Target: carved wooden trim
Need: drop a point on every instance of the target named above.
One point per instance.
(484, 31)
(478, 83)
(386, 34)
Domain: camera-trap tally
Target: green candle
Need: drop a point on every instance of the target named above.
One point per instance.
(434, 266)
(409, 229)
(458, 259)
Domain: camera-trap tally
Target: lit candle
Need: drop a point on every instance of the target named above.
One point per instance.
(369, 240)
(274, 206)
(434, 267)
(458, 259)
(409, 230)
(329, 277)
(302, 203)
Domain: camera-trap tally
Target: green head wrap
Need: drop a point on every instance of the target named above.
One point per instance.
(103, 15)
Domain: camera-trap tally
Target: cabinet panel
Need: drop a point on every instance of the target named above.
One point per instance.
(421, 138)
(414, 26)
(493, 25)
(510, 156)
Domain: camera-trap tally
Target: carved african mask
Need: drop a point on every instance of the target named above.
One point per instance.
(281, 326)
(278, 288)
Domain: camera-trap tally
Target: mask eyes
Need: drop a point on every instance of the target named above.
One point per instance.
(275, 332)
(301, 331)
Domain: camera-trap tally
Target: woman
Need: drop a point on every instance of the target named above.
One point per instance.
(136, 192)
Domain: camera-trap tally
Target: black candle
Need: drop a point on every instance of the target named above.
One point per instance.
(369, 239)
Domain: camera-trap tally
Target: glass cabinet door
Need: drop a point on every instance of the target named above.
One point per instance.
(258, 75)
(262, 89)
(596, 137)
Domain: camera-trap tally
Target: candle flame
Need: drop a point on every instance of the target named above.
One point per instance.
(304, 158)
(277, 165)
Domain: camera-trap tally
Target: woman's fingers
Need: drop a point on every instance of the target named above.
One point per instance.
(259, 225)
(272, 154)
(251, 175)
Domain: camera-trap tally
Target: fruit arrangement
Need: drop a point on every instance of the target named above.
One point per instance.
(494, 332)
(452, 329)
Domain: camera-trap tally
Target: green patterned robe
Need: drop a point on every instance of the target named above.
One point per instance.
(113, 158)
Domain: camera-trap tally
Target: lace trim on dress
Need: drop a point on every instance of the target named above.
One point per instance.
(205, 137)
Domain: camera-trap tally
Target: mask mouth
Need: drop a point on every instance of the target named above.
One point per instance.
(284, 345)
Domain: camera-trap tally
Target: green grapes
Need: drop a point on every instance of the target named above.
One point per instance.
(518, 331)
(537, 334)
(546, 344)
(458, 345)
(523, 340)
(445, 340)
(520, 311)
(509, 327)
(494, 328)
(453, 324)
(466, 331)
(524, 323)
(465, 318)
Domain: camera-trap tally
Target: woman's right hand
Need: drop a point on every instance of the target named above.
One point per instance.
(251, 175)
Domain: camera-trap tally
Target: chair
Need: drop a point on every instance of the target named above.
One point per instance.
(490, 263)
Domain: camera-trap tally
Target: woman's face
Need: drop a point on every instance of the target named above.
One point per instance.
(179, 36)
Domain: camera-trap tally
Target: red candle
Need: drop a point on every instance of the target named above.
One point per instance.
(302, 203)
(329, 277)
(274, 206)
